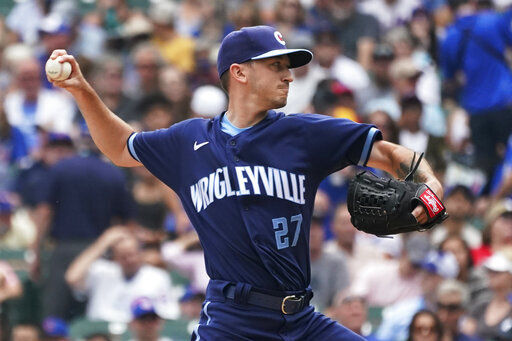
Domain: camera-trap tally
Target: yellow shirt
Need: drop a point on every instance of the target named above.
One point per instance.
(178, 51)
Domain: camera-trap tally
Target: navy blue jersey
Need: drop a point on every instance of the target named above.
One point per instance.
(250, 196)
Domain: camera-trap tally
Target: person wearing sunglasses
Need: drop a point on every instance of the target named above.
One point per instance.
(452, 299)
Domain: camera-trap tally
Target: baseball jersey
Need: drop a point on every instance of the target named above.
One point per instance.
(250, 196)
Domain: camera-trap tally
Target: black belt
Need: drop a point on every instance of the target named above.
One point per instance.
(287, 305)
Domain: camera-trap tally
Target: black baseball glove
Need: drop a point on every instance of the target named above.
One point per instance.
(384, 206)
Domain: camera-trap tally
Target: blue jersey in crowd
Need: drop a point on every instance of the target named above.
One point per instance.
(87, 195)
(250, 196)
(476, 45)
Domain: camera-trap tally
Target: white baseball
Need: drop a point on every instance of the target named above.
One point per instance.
(57, 71)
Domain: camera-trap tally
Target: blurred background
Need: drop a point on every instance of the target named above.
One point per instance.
(90, 251)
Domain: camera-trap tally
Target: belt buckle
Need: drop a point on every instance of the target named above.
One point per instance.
(283, 304)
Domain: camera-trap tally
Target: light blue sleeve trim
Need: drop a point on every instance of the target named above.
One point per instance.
(367, 145)
(131, 149)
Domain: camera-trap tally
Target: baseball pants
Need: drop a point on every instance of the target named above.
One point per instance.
(224, 319)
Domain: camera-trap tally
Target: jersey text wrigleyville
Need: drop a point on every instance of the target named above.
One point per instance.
(250, 180)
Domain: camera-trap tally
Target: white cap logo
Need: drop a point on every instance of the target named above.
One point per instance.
(279, 37)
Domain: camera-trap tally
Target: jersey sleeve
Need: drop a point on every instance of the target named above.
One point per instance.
(159, 152)
(335, 143)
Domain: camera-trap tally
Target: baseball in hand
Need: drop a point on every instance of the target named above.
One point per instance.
(57, 71)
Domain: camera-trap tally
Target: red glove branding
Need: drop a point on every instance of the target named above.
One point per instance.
(431, 202)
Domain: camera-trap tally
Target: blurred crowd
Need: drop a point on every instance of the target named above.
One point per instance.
(82, 240)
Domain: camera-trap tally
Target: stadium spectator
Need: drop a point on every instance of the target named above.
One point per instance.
(329, 273)
(176, 49)
(394, 280)
(397, 317)
(191, 304)
(108, 78)
(146, 324)
(412, 136)
(351, 311)
(425, 326)
(331, 62)
(31, 180)
(380, 95)
(54, 33)
(472, 277)
(386, 125)
(111, 285)
(83, 195)
(479, 36)
(156, 112)
(147, 61)
(451, 305)
(31, 106)
(410, 78)
(459, 202)
(174, 85)
(493, 316)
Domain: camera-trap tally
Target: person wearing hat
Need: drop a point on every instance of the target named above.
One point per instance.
(247, 180)
(146, 324)
(54, 33)
(494, 315)
(55, 329)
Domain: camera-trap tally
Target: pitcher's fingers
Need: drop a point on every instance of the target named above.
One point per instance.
(58, 52)
(71, 60)
(420, 214)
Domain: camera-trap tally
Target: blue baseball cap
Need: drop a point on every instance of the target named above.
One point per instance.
(55, 327)
(143, 306)
(54, 24)
(257, 42)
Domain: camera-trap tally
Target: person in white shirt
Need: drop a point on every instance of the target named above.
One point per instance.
(394, 280)
(112, 285)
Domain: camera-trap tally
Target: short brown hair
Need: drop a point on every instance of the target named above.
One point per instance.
(224, 81)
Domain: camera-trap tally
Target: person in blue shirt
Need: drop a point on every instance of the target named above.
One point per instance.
(475, 45)
(80, 197)
(247, 180)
